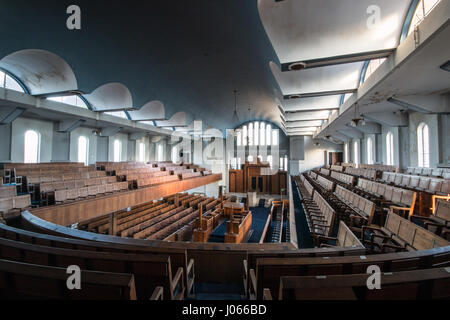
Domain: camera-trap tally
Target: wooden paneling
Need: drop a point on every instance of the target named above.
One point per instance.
(71, 213)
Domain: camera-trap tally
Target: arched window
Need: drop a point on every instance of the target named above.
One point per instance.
(160, 152)
(423, 9)
(370, 151)
(174, 157)
(250, 134)
(423, 145)
(346, 152)
(250, 159)
(245, 136)
(31, 147)
(8, 82)
(141, 152)
(268, 134)
(390, 149)
(262, 134)
(73, 100)
(117, 150)
(270, 161)
(83, 150)
(275, 137)
(239, 138)
(286, 163)
(356, 152)
(373, 66)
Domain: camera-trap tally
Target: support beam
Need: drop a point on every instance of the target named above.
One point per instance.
(70, 125)
(110, 131)
(424, 104)
(137, 136)
(11, 115)
(352, 133)
(390, 119)
(369, 128)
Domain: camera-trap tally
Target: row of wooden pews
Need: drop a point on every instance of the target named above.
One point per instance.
(152, 269)
(429, 172)
(9, 200)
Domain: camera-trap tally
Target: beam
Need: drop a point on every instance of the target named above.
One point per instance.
(318, 94)
(424, 103)
(110, 131)
(352, 133)
(70, 125)
(9, 117)
(390, 119)
(71, 213)
(329, 61)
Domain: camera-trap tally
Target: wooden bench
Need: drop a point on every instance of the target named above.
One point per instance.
(270, 270)
(400, 234)
(345, 238)
(366, 173)
(149, 271)
(178, 257)
(30, 281)
(406, 285)
(439, 223)
(362, 206)
(344, 178)
(320, 216)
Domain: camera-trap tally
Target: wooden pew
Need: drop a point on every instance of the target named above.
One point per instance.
(149, 271)
(345, 238)
(439, 223)
(178, 257)
(400, 234)
(270, 270)
(406, 285)
(30, 281)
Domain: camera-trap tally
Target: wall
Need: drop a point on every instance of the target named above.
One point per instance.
(45, 129)
(314, 156)
(92, 144)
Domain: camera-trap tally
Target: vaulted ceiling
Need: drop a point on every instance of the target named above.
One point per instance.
(188, 56)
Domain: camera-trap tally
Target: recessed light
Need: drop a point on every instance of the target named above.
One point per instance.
(297, 66)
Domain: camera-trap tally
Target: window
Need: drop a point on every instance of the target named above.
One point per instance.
(260, 158)
(31, 146)
(356, 153)
(83, 150)
(142, 152)
(117, 150)
(239, 163)
(234, 163)
(160, 152)
(286, 163)
(174, 155)
(73, 100)
(250, 159)
(423, 145)
(423, 9)
(275, 137)
(256, 133)
(268, 134)
(281, 164)
(373, 66)
(390, 149)
(8, 82)
(262, 134)
(239, 138)
(245, 135)
(370, 151)
(250, 134)
(346, 152)
(270, 161)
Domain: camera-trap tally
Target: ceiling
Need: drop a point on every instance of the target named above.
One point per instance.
(331, 41)
(144, 54)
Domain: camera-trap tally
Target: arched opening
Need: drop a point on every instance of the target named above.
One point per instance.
(423, 145)
(370, 159)
(31, 147)
(117, 150)
(356, 153)
(83, 150)
(390, 149)
(8, 82)
(141, 152)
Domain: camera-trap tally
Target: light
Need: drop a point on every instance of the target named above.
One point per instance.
(353, 124)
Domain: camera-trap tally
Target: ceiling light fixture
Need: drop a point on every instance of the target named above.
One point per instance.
(357, 119)
(297, 66)
(235, 115)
